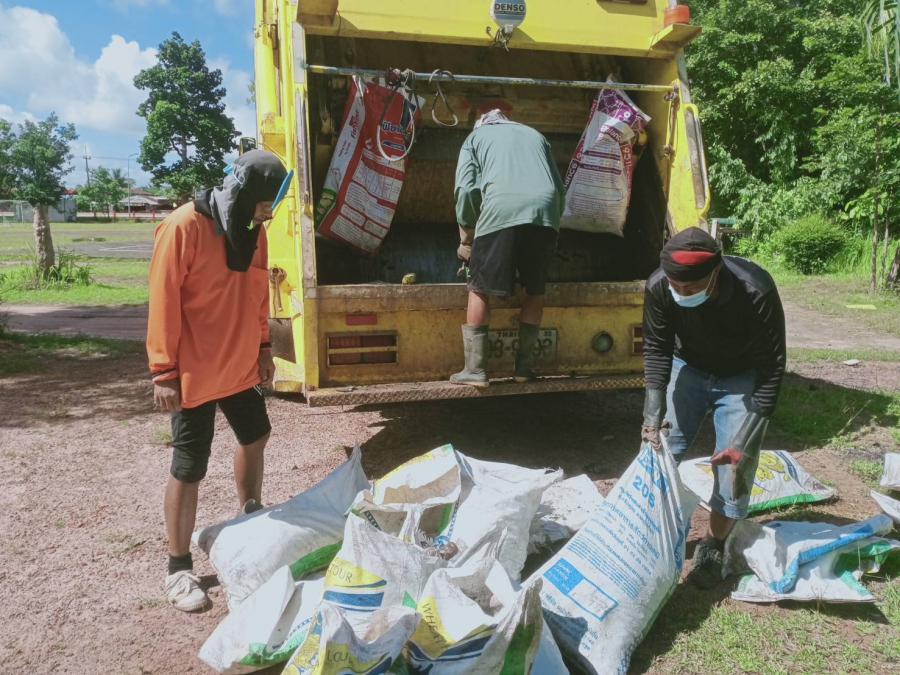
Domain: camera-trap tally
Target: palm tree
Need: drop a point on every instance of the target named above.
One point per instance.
(881, 26)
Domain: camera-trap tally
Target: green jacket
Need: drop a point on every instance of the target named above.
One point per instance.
(505, 177)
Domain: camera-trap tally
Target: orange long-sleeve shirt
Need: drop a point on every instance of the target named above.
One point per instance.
(207, 322)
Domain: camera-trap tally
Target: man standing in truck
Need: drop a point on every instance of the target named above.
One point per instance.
(208, 345)
(509, 192)
(714, 339)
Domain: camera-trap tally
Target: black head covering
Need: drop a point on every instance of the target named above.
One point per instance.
(255, 177)
(690, 255)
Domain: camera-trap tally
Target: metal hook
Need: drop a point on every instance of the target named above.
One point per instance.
(439, 93)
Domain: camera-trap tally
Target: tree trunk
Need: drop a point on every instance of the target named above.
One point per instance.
(873, 279)
(887, 234)
(43, 242)
(893, 277)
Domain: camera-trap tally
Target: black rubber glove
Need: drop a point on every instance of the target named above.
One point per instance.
(743, 452)
(654, 424)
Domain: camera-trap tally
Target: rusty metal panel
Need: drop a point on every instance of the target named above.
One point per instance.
(436, 391)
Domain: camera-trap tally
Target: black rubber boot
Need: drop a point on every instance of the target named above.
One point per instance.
(475, 343)
(528, 335)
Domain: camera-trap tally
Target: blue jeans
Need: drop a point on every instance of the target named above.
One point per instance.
(691, 395)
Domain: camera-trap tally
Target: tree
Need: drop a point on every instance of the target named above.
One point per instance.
(185, 115)
(107, 188)
(8, 171)
(41, 155)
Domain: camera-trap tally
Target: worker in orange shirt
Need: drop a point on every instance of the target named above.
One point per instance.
(208, 345)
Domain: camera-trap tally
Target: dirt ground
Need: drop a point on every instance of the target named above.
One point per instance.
(84, 460)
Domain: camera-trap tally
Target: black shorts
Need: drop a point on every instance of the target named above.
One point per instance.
(193, 428)
(496, 257)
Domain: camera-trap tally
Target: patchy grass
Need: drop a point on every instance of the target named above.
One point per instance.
(831, 294)
(869, 471)
(816, 414)
(808, 355)
(162, 436)
(783, 639)
(122, 543)
(21, 353)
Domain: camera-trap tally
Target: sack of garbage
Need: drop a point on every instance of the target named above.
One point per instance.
(304, 533)
(890, 506)
(267, 627)
(417, 497)
(780, 481)
(447, 497)
(548, 660)
(835, 577)
(890, 478)
(603, 590)
(777, 551)
(333, 647)
(476, 622)
(563, 510)
(598, 181)
(374, 569)
(362, 186)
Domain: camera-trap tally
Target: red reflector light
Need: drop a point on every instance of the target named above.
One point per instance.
(638, 331)
(362, 319)
(344, 359)
(379, 340)
(638, 347)
(346, 342)
(380, 357)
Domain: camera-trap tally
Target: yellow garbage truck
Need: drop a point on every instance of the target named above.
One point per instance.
(350, 328)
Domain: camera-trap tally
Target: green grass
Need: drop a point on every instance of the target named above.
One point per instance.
(808, 355)
(869, 471)
(693, 635)
(846, 283)
(16, 240)
(29, 353)
(95, 294)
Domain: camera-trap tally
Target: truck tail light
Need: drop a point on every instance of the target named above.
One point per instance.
(637, 339)
(362, 348)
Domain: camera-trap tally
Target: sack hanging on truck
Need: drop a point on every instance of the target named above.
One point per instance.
(362, 187)
(598, 181)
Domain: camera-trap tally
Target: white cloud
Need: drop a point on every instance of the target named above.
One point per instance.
(14, 116)
(38, 62)
(227, 7)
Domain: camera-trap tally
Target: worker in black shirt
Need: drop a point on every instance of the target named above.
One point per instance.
(713, 340)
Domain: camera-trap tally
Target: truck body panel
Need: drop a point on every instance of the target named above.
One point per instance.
(347, 324)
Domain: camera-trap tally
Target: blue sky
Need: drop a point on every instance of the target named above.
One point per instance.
(78, 58)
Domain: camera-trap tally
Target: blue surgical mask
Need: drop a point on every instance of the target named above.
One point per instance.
(696, 299)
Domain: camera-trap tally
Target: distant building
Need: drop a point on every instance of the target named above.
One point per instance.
(141, 200)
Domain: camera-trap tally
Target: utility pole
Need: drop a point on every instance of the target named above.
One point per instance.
(128, 160)
(87, 171)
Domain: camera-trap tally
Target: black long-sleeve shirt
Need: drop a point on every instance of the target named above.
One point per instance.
(741, 329)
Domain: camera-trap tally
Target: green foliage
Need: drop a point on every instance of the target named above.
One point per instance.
(808, 244)
(795, 111)
(41, 155)
(8, 170)
(68, 270)
(107, 188)
(185, 115)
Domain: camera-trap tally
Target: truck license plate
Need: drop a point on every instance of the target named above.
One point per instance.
(504, 343)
